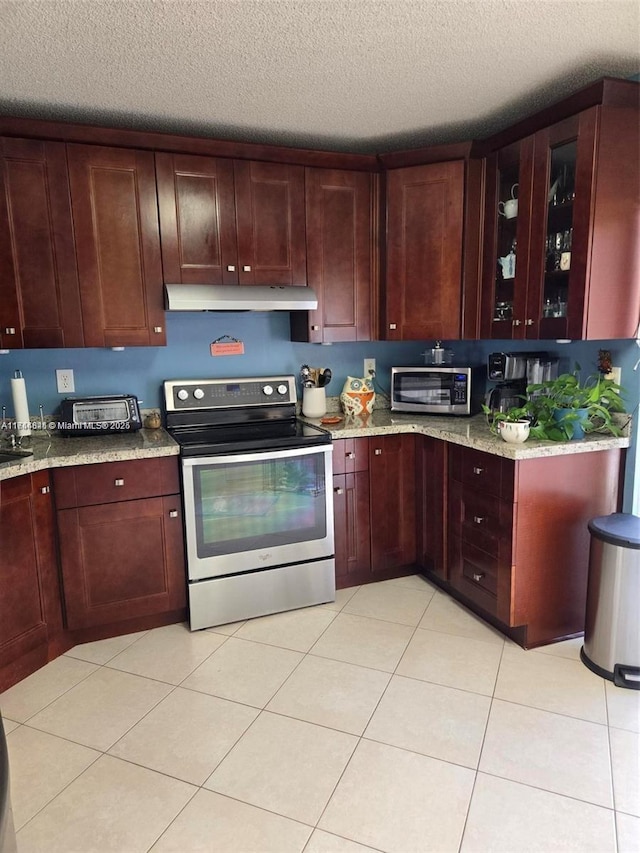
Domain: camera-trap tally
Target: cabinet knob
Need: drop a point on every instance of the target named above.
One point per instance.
(45, 490)
(338, 491)
(392, 326)
(315, 328)
(10, 331)
(231, 268)
(529, 323)
(478, 576)
(118, 482)
(516, 322)
(478, 519)
(173, 513)
(157, 330)
(350, 455)
(478, 470)
(377, 451)
(246, 269)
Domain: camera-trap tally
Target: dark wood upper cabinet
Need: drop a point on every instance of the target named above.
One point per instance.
(197, 219)
(340, 257)
(231, 222)
(39, 296)
(270, 217)
(423, 289)
(115, 216)
(574, 238)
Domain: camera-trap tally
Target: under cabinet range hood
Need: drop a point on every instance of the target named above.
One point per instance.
(234, 297)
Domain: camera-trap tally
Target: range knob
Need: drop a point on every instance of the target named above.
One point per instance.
(268, 390)
(182, 394)
(198, 393)
(282, 389)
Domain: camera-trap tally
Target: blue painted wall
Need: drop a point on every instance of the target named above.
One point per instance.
(141, 370)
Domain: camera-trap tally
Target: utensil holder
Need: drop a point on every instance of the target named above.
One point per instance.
(314, 402)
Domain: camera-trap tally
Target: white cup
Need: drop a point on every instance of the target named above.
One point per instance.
(314, 402)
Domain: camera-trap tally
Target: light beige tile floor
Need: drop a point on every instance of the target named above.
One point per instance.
(392, 720)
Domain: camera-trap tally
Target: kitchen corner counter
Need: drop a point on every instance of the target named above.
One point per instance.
(470, 432)
(59, 452)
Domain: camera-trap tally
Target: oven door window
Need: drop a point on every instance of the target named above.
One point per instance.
(261, 503)
(425, 388)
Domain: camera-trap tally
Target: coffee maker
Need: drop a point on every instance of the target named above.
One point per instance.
(513, 372)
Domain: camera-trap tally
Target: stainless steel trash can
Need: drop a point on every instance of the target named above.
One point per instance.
(612, 626)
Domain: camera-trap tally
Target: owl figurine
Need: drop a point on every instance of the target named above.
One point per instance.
(357, 397)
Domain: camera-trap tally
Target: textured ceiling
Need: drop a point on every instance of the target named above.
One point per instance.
(359, 75)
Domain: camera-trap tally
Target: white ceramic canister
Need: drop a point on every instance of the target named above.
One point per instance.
(314, 402)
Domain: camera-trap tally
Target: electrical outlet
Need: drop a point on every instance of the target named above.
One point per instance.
(369, 367)
(64, 380)
(616, 374)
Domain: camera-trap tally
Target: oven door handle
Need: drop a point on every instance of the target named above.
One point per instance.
(260, 456)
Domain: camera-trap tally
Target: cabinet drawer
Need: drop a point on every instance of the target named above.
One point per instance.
(486, 521)
(483, 471)
(108, 482)
(479, 569)
(350, 455)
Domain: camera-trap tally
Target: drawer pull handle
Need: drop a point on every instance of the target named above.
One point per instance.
(246, 268)
(231, 268)
(10, 331)
(338, 491)
(516, 322)
(118, 482)
(157, 330)
(478, 576)
(478, 470)
(478, 519)
(173, 513)
(315, 328)
(350, 455)
(392, 326)
(529, 323)
(377, 451)
(45, 490)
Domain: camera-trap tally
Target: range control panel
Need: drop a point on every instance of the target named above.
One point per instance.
(188, 394)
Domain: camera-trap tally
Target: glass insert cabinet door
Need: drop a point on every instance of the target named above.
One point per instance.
(505, 269)
(560, 233)
(251, 511)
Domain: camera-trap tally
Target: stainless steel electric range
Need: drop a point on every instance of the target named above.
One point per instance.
(258, 502)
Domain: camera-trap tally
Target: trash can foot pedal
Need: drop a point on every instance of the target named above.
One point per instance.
(626, 676)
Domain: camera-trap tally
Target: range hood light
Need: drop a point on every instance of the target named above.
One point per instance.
(234, 297)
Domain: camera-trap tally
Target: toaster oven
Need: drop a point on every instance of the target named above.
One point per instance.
(99, 415)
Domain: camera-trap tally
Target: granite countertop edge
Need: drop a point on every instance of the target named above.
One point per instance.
(57, 452)
(470, 432)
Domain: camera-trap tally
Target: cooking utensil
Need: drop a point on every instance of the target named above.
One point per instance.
(324, 377)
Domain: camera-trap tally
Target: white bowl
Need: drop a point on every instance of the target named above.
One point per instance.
(514, 432)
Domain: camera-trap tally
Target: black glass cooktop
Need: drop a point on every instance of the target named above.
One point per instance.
(254, 436)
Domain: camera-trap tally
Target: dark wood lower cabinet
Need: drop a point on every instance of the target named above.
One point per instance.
(431, 501)
(119, 565)
(518, 541)
(30, 605)
(392, 471)
(122, 560)
(352, 528)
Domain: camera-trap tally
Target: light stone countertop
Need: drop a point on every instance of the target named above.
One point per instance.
(470, 432)
(58, 452)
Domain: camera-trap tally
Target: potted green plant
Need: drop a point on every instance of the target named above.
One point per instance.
(565, 408)
(513, 425)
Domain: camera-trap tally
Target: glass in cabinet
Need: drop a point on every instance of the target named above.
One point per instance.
(507, 223)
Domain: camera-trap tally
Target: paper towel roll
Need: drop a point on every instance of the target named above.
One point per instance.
(20, 405)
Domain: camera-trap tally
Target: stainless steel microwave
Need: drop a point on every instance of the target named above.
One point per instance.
(436, 390)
